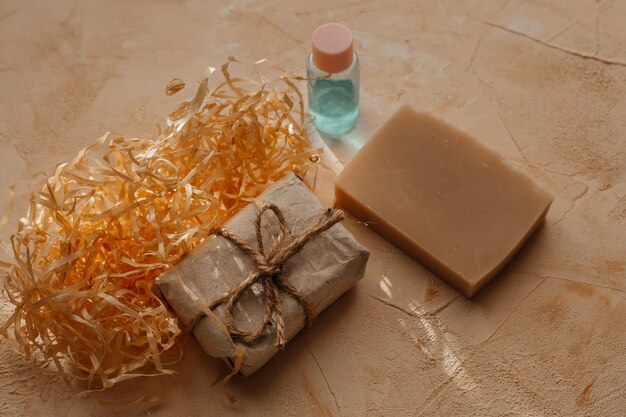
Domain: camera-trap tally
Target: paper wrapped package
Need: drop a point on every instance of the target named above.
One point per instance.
(316, 269)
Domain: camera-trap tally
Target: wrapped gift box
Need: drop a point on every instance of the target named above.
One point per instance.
(326, 265)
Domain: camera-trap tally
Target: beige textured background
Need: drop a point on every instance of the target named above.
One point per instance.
(541, 82)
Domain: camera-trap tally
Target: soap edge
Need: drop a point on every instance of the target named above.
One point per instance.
(431, 262)
(482, 282)
(424, 258)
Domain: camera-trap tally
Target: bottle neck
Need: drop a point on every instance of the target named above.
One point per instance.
(316, 71)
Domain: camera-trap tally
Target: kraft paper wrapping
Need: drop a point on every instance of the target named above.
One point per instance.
(327, 266)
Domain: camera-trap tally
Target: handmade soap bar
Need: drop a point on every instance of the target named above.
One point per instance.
(444, 199)
(327, 265)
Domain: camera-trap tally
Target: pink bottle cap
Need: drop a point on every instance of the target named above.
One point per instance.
(332, 47)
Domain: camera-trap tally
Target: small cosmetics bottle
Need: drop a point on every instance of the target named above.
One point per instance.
(333, 86)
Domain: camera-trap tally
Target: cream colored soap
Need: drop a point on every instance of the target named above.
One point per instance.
(444, 199)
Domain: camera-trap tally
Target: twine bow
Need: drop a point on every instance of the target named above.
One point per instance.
(269, 271)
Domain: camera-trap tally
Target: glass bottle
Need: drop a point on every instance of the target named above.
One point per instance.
(333, 86)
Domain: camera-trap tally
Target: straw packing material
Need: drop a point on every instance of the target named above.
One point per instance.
(108, 222)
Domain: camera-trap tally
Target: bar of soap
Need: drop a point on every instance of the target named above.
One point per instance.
(443, 198)
(328, 265)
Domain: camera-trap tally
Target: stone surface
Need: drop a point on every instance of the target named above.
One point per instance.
(542, 83)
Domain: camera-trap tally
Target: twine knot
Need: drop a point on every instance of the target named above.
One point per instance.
(269, 271)
(265, 268)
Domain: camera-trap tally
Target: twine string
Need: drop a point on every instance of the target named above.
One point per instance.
(269, 272)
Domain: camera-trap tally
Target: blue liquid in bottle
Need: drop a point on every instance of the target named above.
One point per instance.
(333, 98)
